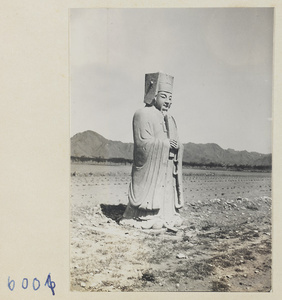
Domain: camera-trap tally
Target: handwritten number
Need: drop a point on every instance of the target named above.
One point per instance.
(26, 283)
(38, 284)
(11, 284)
(51, 284)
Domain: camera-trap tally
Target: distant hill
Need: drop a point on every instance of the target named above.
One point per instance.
(92, 145)
(212, 153)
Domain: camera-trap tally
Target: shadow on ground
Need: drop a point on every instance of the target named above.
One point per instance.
(114, 212)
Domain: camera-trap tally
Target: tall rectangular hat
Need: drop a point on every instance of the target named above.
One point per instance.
(155, 82)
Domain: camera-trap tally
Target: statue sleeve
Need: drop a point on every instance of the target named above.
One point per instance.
(143, 137)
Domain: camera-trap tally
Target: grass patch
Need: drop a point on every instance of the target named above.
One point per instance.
(148, 276)
(220, 286)
(198, 270)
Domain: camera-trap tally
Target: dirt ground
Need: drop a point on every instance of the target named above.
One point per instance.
(224, 244)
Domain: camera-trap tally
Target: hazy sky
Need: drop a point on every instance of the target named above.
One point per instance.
(221, 60)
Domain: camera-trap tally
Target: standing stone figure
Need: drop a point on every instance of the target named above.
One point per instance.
(155, 192)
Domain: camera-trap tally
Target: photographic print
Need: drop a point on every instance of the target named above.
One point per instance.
(171, 149)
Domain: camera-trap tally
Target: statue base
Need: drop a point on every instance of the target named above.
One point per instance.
(153, 222)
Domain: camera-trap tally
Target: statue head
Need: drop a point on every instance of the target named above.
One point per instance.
(158, 89)
(163, 101)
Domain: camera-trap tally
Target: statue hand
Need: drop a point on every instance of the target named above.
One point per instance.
(173, 144)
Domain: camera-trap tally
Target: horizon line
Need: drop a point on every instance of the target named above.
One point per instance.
(269, 153)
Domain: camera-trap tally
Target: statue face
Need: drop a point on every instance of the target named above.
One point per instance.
(163, 101)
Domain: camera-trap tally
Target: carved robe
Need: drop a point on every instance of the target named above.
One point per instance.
(156, 186)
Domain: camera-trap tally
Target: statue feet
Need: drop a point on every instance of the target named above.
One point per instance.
(155, 223)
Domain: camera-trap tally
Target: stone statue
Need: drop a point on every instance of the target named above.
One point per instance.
(155, 192)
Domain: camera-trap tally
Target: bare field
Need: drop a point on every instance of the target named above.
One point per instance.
(223, 245)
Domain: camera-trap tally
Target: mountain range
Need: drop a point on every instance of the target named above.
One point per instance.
(92, 145)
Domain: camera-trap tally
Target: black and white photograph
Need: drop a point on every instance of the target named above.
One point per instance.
(171, 149)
